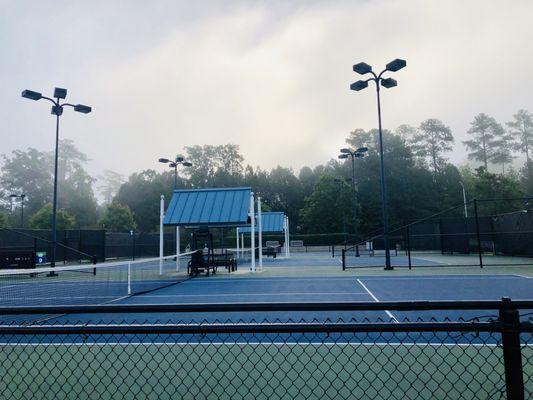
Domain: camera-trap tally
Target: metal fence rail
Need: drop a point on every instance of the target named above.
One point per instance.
(238, 359)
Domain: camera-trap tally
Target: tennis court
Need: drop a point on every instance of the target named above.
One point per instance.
(305, 277)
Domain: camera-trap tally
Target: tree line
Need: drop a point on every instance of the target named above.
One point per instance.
(420, 180)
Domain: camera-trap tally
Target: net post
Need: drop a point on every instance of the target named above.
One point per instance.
(512, 356)
(332, 251)
(478, 235)
(343, 259)
(178, 246)
(161, 233)
(129, 278)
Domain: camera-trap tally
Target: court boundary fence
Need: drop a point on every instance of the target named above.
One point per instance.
(512, 331)
(479, 231)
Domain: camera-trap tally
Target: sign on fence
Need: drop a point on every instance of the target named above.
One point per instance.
(297, 243)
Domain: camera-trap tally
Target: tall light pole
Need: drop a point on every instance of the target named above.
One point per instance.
(359, 153)
(174, 164)
(21, 196)
(363, 69)
(341, 182)
(464, 198)
(57, 110)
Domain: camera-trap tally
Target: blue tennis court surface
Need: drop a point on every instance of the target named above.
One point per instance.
(305, 277)
(228, 290)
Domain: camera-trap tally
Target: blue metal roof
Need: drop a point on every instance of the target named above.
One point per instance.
(208, 207)
(272, 222)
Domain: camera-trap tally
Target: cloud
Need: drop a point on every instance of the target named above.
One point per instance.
(272, 77)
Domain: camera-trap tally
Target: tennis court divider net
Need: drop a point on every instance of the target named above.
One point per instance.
(90, 284)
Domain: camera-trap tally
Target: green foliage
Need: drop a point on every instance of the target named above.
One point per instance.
(526, 177)
(431, 141)
(330, 208)
(118, 218)
(3, 219)
(109, 184)
(31, 172)
(521, 127)
(495, 186)
(141, 193)
(489, 143)
(214, 166)
(42, 219)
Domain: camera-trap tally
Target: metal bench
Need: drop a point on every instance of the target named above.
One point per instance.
(209, 263)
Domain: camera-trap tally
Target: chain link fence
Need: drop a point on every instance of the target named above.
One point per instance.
(209, 352)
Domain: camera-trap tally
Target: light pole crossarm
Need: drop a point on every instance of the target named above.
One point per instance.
(56, 103)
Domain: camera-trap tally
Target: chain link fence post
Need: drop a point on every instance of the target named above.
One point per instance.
(512, 356)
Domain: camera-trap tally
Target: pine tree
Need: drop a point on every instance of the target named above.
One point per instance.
(431, 141)
(489, 142)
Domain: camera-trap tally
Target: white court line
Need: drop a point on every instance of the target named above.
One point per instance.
(443, 278)
(281, 279)
(376, 300)
(521, 276)
(260, 294)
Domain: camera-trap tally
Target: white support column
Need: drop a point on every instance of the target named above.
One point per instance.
(260, 232)
(252, 233)
(161, 233)
(285, 244)
(242, 244)
(129, 279)
(178, 246)
(288, 238)
(237, 237)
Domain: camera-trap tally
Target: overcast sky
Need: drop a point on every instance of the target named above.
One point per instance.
(272, 77)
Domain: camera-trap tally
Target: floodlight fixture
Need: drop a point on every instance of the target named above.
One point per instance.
(358, 155)
(57, 110)
(82, 108)
(359, 85)
(60, 93)
(30, 94)
(396, 65)
(343, 155)
(345, 150)
(389, 83)
(362, 68)
(362, 149)
(179, 160)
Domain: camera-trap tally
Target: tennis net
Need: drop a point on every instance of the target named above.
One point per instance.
(90, 284)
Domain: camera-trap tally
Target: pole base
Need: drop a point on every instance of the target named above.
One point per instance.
(391, 268)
